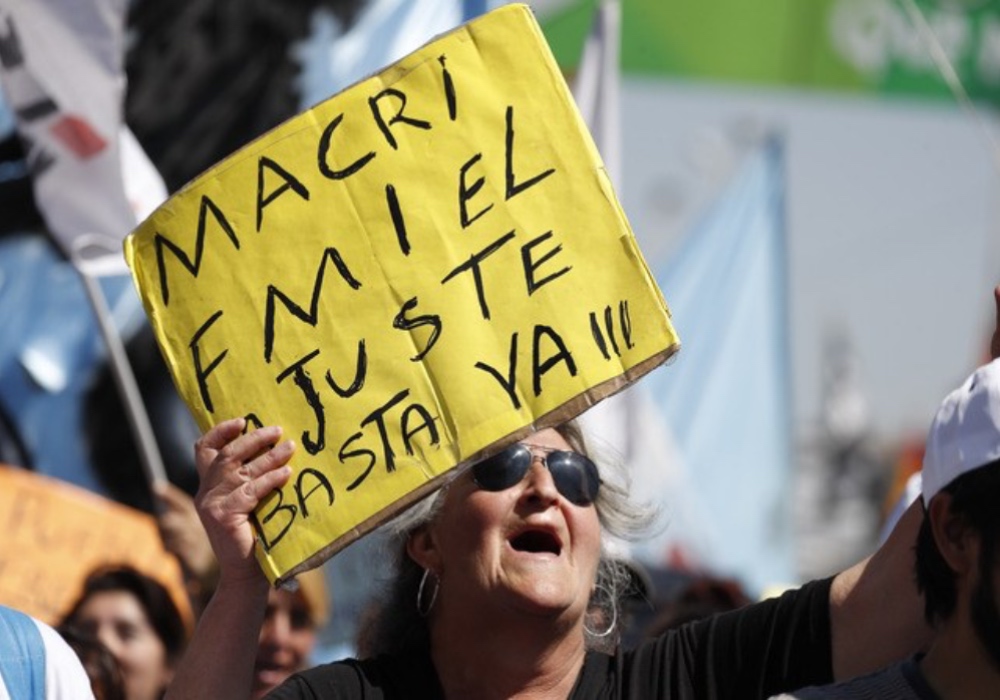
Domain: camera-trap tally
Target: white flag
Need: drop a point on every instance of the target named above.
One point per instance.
(61, 66)
(596, 89)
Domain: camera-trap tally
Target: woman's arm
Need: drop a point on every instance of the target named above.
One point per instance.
(876, 612)
(236, 472)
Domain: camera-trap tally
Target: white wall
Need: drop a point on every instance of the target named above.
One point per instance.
(892, 214)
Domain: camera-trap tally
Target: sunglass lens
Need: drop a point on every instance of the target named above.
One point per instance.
(575, 476)
(503, 470)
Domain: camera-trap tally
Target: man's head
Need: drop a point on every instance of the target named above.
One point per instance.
(965, 434)
(957, 545)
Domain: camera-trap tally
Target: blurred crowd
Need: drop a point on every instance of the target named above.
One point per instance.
(129, 632)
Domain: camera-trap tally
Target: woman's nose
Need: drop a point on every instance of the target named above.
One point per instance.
(276, 629)
(110, 641)
(538, 482)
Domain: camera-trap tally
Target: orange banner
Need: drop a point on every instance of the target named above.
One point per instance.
(54, 534)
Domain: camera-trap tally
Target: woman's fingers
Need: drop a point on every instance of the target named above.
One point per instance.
(237, 471)
(246, 447)
(258, 477)
(224, 449)
(209, 444)
(265, 455)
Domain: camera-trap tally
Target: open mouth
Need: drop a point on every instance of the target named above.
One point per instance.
(269, 678)
(270, 667)
(536, 541)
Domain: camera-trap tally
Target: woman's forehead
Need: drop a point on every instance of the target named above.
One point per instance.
(115, 600)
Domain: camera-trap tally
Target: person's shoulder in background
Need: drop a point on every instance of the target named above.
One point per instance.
(900, 681)
(36, 663)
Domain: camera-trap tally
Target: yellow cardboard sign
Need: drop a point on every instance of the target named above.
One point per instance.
(409, 275)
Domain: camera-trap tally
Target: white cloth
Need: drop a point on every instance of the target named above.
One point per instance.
(36, 663)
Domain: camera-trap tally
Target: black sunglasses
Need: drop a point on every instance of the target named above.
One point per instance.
(575, 476)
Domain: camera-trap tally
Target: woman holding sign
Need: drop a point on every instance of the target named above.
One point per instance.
(501, 592)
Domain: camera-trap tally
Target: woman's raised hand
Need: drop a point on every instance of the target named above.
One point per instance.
(237, 471)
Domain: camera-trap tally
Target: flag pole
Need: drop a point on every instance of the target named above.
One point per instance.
(91, 270)
(596, 91)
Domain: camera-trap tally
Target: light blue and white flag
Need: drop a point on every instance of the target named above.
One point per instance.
(36, 663)
(726, 400)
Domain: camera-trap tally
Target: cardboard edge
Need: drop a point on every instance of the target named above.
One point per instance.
(565, 412)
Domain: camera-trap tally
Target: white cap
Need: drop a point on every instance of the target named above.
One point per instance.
(965, 433)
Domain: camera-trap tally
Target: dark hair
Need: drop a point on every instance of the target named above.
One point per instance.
(974, 496)
(100, 664)
(701, 597)
(397, 626)
(208, 76)
(153, 597)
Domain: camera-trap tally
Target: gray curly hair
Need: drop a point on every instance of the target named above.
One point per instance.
(399, 626)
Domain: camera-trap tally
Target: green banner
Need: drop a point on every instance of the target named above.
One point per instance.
(854, 45)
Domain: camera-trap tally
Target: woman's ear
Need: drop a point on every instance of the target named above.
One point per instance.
(956, 540)
(422, 548)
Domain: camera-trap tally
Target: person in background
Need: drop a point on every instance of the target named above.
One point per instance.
(913, 486)
(957, 565)
(134, 616)
(185, 538)
(293, 616)
(701, 597)
(288, 634)
(36, 663)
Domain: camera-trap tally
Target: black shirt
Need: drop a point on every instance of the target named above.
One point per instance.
(755, 652)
